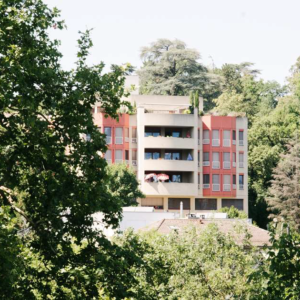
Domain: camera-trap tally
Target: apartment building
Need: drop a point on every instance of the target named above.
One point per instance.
(200, 161)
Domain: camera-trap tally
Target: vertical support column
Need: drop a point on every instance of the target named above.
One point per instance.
(195, 152)
(193, 204)
(140, 145)
(166, 204)
(219, 203)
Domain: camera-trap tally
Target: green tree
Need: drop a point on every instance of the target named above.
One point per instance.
(233, 213)
(170, 68)
(284, 192)
(123, 184)
(50, 176)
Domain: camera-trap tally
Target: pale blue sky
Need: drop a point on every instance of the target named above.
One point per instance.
(265, 32)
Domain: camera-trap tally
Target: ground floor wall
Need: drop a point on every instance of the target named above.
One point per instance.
(193, 204)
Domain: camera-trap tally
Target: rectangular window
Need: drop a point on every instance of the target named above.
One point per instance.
(127, 155)
(206, 179)
(216, 160)
(174, 203)
(241, 160)
(107, 132)
(205, 204)
(119, 136)
(234, 158)
(107, 155)
(134, 157)
(233, 136)
(118, 156)
(226, 183)
(241, 137)
(234, 182)
(237, 203)
(206, 139)
(216, 138)
(241, 182)
(216, 182)
(226, 160)
(134, 133)
(226, 138)
(206, 161)
(126, 135)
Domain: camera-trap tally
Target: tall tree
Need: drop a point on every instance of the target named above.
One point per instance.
(170, 68)
(284, 199)
(49, 174)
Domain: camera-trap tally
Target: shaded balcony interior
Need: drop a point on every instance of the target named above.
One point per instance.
(168, 154)
(172, 132)
(175, 177)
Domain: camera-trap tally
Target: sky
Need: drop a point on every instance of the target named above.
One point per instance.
(265, 32)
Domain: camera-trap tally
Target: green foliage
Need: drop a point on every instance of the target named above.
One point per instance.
(233, 213)
(123, 185)
(170, 68)
(191, 265)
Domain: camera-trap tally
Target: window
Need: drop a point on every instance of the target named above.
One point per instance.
(216, 160)
(234, 159)
(174, 203)
(205, 204)
(107, 156)
(148, 155)
(206, 137)
(176, 155)
(216, 182)
(241, 137)
(237, 203)
(216, 138)
(156, 155)
(234, 182)
(134, 133)
(168, 156)
(206, 179)
(226, 138)
(176, 178)
(152, 132)
(126, 155)
(175, 134)
(118, 156)
(134, 157)
(119, 136)
(241, 182)
(241, 160)
(107, 131)
(226, 160)
(233, 137)
(226, 183)
(206, 159)
(126, 135)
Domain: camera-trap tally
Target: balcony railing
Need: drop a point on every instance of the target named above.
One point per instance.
(215, 142)
(216, 187)
(134, 140)
(206, 163)
(233, 164)
(233, 142)
(108, 140)
(118, 161)
(226, 187)
(241, 186)
(226, 164)
(234, 186)
(241, 142)
(216, 165)
(241, 164)
(206, 185)
(118, 140)
(226, 143)
(134, 162)
(205, 141)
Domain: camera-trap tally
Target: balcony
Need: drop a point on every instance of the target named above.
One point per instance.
(168, 165)
(163, 119)
(226, 164)
(215, 142)
(162, 142)
(216, 165)
(169, 188)
(226, 143)
(226, 187)
(206, 163)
